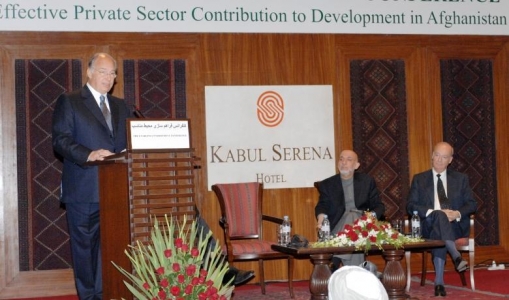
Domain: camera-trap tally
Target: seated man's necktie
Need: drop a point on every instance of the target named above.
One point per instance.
(442, 197)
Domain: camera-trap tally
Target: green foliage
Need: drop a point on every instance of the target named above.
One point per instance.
(175, 265)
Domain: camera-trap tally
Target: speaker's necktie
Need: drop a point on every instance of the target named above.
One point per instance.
(106, 112)
(442, 197)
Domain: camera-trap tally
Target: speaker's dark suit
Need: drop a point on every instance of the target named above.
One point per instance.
(332, 197)
(422, 199)
(78, 129)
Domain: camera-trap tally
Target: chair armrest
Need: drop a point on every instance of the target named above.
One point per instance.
(223, 223)
(272, 219)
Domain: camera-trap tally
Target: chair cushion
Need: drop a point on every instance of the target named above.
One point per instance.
(250, 247)
(461, 242)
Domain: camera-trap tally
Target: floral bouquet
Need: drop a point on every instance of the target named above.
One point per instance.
(174, 265)
(365, 233)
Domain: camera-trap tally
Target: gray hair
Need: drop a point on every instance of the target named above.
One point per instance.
(96, 56)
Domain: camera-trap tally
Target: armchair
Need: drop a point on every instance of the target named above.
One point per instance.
(241, 220)
(466, 244)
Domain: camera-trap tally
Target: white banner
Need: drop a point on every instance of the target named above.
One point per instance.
(473, 17)
(282, 136)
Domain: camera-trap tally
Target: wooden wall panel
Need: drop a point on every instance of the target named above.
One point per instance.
(271, 60)
(501, 92)
(265, 59)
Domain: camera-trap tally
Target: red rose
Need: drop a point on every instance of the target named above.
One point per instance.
(189, 289)
(190, 270)
(211, 290)
(181, 278)
(371, 226)
(164, 283)
(176, 267)
(161, 294)
(364, 233)
(179, 243)
(372, 239)
(167, 253)
(353, 236)
(175, 290)
(195, 252)
(146, 286)
(185, 248)
(160, 270)
(203, 272)
(195, 281)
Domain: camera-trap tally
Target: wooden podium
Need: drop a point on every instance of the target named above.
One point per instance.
(134, 187)
(115, 226)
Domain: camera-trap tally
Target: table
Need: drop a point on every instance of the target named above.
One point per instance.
(394, 278)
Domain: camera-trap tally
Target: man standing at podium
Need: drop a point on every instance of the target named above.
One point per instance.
(88, 125)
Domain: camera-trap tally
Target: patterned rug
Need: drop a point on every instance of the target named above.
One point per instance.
(301, 290)
(277, 291)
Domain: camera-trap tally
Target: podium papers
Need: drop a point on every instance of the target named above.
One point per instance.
(158, 134)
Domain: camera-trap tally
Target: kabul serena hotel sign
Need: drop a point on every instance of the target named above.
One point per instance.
(277, 153)
(281, 136)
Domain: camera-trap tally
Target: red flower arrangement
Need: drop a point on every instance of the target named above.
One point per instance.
(177, 268)
(366, 232)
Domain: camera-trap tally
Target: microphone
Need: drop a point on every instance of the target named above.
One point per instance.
(137, 113)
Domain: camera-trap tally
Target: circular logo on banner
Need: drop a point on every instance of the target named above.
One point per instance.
(270, 109)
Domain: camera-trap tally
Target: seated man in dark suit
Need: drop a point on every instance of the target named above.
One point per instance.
(344, 197)
(444, 201)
